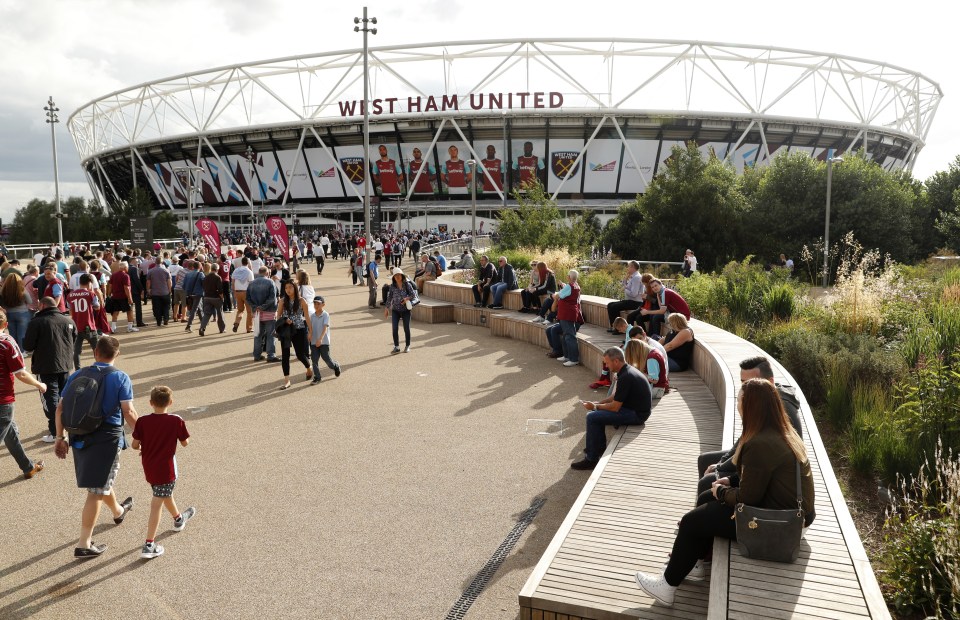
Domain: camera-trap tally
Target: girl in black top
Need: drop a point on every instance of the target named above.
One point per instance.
(294, 328)
(679, 343)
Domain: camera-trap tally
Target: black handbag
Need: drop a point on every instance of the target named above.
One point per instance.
(774, 535)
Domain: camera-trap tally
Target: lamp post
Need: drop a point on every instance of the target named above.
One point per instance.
(52, 119)
(505, 165)
(186, 172)
(366, 127)
(253, 217)
(473, 199)
(826, 227)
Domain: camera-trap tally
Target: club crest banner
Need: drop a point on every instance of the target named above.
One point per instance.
(353, 168)
(278, 232)
(209, 233)
(561, 163)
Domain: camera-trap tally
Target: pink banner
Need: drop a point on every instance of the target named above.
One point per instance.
(278, 232)
(209, 233)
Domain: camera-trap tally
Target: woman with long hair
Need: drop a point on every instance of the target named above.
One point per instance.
(307, 292)
(679, 343)
(16, 301)
(295, 330)
(766, 461)
(400, 293)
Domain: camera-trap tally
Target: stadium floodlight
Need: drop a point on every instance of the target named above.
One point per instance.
(52, 119)
(366, 129)
(473, 199)
(826, 228)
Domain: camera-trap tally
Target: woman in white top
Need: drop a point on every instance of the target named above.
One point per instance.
(307, 292)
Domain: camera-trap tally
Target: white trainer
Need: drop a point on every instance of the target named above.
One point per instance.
(570, 363)
(132, 328)
(49, 439)
(657, 587)
(561, 359)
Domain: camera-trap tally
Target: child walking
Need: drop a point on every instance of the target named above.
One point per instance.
(320, 347)
(156, 436)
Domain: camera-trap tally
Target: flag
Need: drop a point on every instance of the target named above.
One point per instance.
(278, 232)
(209, 233)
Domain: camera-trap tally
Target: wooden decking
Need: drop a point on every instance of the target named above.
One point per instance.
(626, 514)
(832, 577)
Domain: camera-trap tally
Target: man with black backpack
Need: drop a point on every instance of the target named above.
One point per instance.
(96, 402)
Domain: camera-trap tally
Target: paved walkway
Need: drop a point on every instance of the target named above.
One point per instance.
(379, 494)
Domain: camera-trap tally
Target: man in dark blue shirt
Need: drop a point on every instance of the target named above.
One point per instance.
(630, 404)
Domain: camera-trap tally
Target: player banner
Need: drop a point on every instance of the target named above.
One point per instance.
(278, 232)
(209, 233)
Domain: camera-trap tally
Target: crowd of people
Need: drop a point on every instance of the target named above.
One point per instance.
(55, 307)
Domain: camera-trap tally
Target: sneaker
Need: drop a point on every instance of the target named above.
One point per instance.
(151, 550)
(36, 469)
(562, 359)
(395, 350)
(48, 439)
(553, 355)
(316, 380)
(131, 328)
(406, 349)
(186, 515)
(113, 326)
(657, 587)
(273, 360)
(570, 363)
(127, 506)
(584, 465)
(539, 319)
(336, 371)
(498, 307)
(93, 551)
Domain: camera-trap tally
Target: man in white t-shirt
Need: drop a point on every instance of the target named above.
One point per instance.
(325, 244)
(242, 277)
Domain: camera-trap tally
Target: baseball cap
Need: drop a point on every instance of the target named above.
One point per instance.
(318, 300)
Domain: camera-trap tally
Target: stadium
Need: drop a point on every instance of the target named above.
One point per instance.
(592, 119)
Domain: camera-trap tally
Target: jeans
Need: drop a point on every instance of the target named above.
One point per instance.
(596, 433)
(695, 538)
(530, 300)
(194, 302)
(10, 435)
(545, 312)
(372, 299)
(320, 263)
(396, 316)
(212, 306)
(498, 290)
(51, 398)
(673, 365)
(227, 297)
(161, 308)
(300, 345)
(481, 295)
(323, 351)
(614, 308)
(265, 336)
(87, 335)
(562, 337)
(17, 325)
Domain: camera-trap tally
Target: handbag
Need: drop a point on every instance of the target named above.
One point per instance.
(774, 535)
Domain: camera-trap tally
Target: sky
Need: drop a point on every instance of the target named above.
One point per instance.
(79, 51)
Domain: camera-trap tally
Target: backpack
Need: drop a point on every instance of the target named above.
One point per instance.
(439, 271)
(83, 400)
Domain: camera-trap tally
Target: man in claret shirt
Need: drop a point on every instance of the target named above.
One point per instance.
(387, 174)
(527, 167)
(82, 302)
(427, 177)
(494, 168)
(455, 174)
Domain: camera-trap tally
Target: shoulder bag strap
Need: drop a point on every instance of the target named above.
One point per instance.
(799, 490)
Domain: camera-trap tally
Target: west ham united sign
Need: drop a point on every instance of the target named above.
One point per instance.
(561, 163)
(353, 168)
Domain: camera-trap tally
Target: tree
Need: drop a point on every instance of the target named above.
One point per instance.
(34, 223)
(585, 232)
(694, 203)
(536, 223)
(943, 201)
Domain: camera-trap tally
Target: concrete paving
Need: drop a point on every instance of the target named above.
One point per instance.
(378, 494)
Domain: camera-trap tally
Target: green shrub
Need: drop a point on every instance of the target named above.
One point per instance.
(601, 283)
(839, 401)
(869, 429)
(921, 542)
(778, 302)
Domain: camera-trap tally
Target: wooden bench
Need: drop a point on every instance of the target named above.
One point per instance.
(433, 311)
(611, 532)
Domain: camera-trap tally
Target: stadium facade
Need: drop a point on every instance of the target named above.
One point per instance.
(592, 119)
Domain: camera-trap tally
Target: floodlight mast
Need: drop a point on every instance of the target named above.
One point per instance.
(366, 128)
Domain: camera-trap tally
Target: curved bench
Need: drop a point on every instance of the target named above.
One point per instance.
(831, 579)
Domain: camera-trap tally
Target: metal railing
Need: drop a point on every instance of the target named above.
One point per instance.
(28, 250)
(481, 242)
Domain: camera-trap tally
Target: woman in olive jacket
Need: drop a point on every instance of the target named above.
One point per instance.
(766, 461)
